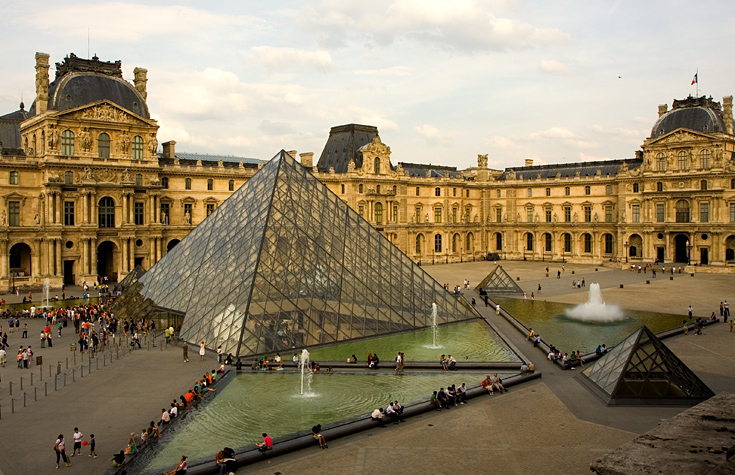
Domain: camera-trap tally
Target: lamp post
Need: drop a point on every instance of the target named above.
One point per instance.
(543, 255)
(626, 251)
(689, 253)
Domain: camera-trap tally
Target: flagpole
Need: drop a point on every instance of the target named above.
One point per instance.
(697, 76)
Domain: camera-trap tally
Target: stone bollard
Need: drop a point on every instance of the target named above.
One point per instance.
(648, 282)
(621, 286)
(671, 278)
(11, 388)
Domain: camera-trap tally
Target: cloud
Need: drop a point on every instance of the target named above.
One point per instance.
(274, 59)
(556, 68)
(275, 128)
(461, 25)
(589, 158)
(136, 22)
(432, 134)
(501, 142)
(554, 133)
(392, 71)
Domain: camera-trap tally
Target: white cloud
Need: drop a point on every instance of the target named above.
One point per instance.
(464, 25)
(503, 143)
(392, 71)
(274, 59)
(556, 68)
(589, 158)
(432, 134)
(554, 133)
(275, 128)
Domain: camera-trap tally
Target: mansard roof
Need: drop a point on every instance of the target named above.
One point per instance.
(342, 147)
(568, 170)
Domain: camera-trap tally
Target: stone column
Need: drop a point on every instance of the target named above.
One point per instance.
(157, 210)
(58, 258)
(50, 206)
(93, 256)
(124, 209)
(160, 248)
(124, 244)
(48, 259)
(4, 261)
(131, 254)
(35, 258)
(152, 252)
(85, 253)
(58, 208)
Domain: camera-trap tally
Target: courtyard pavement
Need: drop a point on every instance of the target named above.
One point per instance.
(552, 425)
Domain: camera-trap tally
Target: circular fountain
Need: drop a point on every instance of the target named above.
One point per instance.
(595, 310)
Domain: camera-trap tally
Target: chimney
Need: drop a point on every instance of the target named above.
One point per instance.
(41, 82)
(141, 78)
(169, 149)
(307, 159)
(639, 154)
(529, 162)
(727, 113)
(293, 154)
(662, 109)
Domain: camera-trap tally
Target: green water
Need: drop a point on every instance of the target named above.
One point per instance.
(465, 341)
(548, 320)
(254, 403)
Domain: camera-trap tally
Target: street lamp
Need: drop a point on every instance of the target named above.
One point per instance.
(626, 251)
(689, 253)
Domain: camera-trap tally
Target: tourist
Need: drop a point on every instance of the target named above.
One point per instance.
(185, 347)
(266, 445)
(370, 360)
(579, 357)
(530, 334)
(92, 446)
(399, 410)
(390, 412)
(435, 401)
(316, 432)
(497, 383)
(132, 448)
(376, 361)
(443, 399)
(3, 356)
(77, 436)
(398, 362)
(462, 393)
(524, 367)
(497, 309)
(219, 354)
(60, 448)
(174, 411)
(278, 361)
(451, 395)
(452, 363)
(598, 350)
(226, 462)
(444, 363)
(165, 416)
(295, 359)
(230, 358)
(180, 468)
(690, 311)
(202, 350)
(488, 384)
(686, 327)
(377, 415)
(537, 341)
(118, 459)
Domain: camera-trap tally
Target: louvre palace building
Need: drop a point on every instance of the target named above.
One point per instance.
(88, 190)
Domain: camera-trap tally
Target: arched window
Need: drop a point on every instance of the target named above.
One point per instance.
(419, 243)
(704, 159)
(164, 182)
(377, 165)
(138, 180)
(587, 243)
(68, 177)
(548, 243)
(608, 243)
(438, 243)
(682, 211)
(210, 184)
(378, 214)
(469, 244)
(107, 212)
(103, 145)
(187, 184)
(659, 186)
(231, 186)
(567, 242)
(703, 185)
(683, 156)
(137, 147)
(529, 242)
(13, 179)
(67, 143)
(455, 244)
(660, 162)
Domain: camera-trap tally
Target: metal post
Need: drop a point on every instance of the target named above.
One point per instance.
(67, 362)
(12, 405)
(40, 370)
(65, 379)
(56, 382)
(45, 388)
(21, 383)
(75, 358)
(24, 399)
(11, 388)
(31, 379)
(35, 393)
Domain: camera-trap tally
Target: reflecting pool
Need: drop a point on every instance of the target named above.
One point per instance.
(474, 341)
(253, 403)
(549, 321)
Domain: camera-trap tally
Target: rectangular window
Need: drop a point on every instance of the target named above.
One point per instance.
(498, 191)
(361, 210)
(608, 190)
(437, 214)
(704, 212)
(499, 214)
(417, 216)
(608, 214)
(395, 214)
(417, 191)
(732, 212)
(437, 191)
(567, 191)
(454, 192)
(636, 212)
(588, 214)
(68, 213)
(187, 209)
(660, 213)
(138, 212)
(210, 208)
(467, 194)
(14, 213)
(529, 215)
(567, 214)
(164, 212)
(548, 191)
(530, 192)
(548, 215)
(454, 215)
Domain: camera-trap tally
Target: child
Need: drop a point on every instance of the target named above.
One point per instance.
(92, 452)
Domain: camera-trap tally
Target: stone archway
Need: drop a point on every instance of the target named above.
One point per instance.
(108, 260)
(19, 260)
(171, 244)
(680, 248)
(730, 248)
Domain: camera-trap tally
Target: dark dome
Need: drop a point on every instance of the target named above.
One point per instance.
(698, 114)
(77, 89)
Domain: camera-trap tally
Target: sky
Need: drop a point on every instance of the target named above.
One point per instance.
(443, 80)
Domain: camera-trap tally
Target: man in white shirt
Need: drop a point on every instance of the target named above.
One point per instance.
(390, 412)
(77, 442)
(174, 411)
(377, 415)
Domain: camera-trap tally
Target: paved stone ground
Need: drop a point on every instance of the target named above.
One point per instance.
(553, 425)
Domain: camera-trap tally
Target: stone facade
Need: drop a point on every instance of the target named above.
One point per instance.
(86, 190)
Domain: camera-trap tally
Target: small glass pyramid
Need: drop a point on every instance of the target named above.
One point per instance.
(642, 370)
(499, 282)
(285, 263)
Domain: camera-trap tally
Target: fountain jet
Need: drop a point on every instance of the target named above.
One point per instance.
(595, 309)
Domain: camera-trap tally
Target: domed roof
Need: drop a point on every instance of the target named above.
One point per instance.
(700, 114)
(82, 81)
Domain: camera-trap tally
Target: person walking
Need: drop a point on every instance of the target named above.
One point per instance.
(185, 347)
(202, 351)
(60, 449)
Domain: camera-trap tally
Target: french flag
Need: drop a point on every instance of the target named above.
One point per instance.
(695, 80)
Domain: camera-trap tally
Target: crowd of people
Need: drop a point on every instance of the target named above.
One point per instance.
(451, 397)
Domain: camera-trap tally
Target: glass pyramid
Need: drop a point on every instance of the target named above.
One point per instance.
(499, 282)
(285, 263)
(642, 370)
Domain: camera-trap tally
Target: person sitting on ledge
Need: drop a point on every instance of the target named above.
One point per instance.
(316, 432)
(118, 459)
(462, 393)
(180, 468)
(399, 410)
(443, 399)
(452, 363)
(598, 350)
(278, 362)
(451, 395)
(377, 415)
(390, 412)
(131, 448)
(435, 402)
(487, 384)
(230, 358)
(443, 362)
(524, 368)
(266, 445)
(497, 384)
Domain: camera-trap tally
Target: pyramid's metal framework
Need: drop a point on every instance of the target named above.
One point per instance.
(642, 370)
(499, 282)
(285, 263)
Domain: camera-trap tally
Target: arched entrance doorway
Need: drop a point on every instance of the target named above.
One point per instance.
(680, 251)
(107, 260)
(171, 244)
(19, 258)
(635, 246)
(730, 248)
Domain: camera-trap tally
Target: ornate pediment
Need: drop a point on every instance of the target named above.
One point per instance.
(679, 136)
(104, 111)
